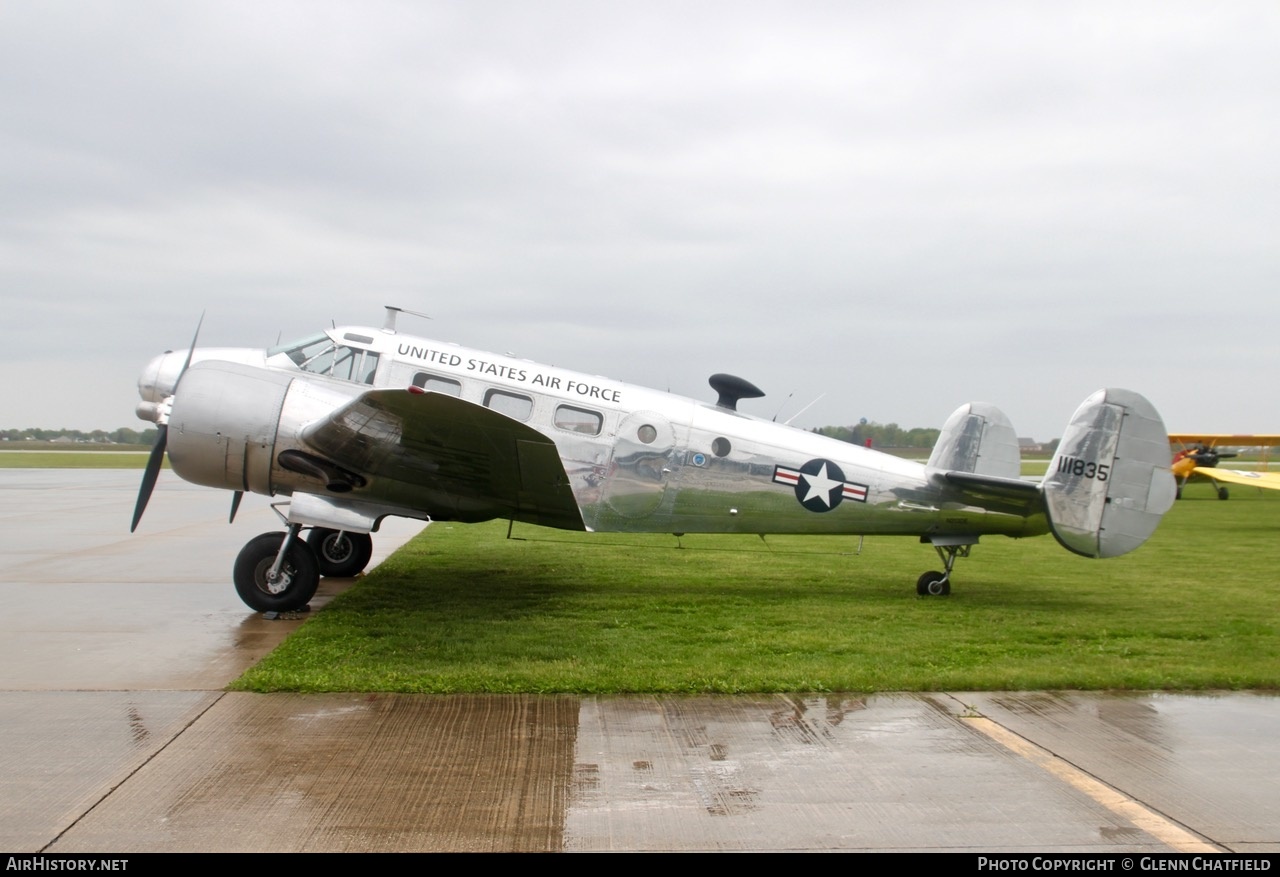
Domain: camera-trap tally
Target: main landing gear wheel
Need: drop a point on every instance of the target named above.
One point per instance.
(1223, 494)
(933, 584)
(949, 547)
(340, 553)
(292, 589)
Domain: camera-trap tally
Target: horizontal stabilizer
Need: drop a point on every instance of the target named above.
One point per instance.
(1011, 496)
(1109, 482)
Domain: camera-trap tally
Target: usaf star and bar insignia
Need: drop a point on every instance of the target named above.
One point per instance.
(820, 485)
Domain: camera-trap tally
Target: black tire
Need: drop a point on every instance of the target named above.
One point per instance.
(1223, 494)
(300, 574)
(933, 584)
(338, 553)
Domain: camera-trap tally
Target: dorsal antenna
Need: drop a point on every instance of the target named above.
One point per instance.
(389, 325)
(787, 422)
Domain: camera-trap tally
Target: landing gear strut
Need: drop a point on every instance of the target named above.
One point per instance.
(938, 584)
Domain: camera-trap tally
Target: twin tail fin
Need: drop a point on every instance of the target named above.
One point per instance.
(1109, 482)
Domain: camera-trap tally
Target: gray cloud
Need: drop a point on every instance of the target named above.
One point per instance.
(903, 206)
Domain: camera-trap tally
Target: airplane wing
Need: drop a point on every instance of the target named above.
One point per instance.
(1215, 440)
(1265, 480)
(451, 459)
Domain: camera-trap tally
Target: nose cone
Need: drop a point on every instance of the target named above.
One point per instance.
(157, 381)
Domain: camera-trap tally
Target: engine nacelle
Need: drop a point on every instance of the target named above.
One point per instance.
(222, 430)
(237, 427)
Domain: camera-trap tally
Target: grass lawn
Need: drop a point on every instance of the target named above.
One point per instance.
(56, 455)
(463, 609)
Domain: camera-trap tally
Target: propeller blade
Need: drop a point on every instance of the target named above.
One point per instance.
(191, 351)
(235, 505)
(154, 463)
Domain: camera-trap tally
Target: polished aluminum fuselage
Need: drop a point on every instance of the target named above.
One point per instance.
(636, 459)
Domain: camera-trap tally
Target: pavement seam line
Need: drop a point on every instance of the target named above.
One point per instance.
(1160, 827)
(131, 774)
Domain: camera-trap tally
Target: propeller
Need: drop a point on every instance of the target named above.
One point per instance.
(155, 462)
(1208, 457)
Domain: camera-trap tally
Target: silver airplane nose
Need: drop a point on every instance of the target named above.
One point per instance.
(157, 382)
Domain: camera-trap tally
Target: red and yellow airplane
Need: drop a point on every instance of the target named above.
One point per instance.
(1197, 460)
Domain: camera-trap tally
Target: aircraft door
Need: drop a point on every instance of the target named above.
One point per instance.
(643, 464)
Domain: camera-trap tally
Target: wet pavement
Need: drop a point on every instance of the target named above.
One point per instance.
(114, 649)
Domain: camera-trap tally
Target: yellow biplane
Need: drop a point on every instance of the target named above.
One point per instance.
(1198, 454)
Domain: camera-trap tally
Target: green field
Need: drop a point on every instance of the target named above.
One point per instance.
(66, 455)
(463, 609)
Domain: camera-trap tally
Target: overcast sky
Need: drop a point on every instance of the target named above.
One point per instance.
(901, 205)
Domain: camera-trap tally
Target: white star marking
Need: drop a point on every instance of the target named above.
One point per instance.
(820, 485)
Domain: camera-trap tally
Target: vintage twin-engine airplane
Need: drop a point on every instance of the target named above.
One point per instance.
(355, 424)
(1199, 454)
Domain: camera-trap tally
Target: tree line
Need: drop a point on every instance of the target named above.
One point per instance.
(122, 436)
(882, 435)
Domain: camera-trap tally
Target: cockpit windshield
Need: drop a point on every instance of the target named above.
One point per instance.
(321, 355)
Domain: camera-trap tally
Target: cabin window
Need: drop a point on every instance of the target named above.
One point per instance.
(647, 434)
(437, 384)
(513, 405)
(721, 447)
(579, 420)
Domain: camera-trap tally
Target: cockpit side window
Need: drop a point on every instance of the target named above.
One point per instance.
(320, 355)
(319, 360)
(303, 349)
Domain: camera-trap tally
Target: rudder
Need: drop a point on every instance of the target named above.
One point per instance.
(1109, 483)
(978, 438)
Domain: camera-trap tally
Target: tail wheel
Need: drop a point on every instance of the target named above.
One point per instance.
(339, 553)
(292, 589)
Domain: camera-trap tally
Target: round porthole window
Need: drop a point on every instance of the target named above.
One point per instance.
(721, 447)
(646, 434)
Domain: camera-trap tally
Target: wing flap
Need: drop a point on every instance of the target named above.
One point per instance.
(452, 459)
